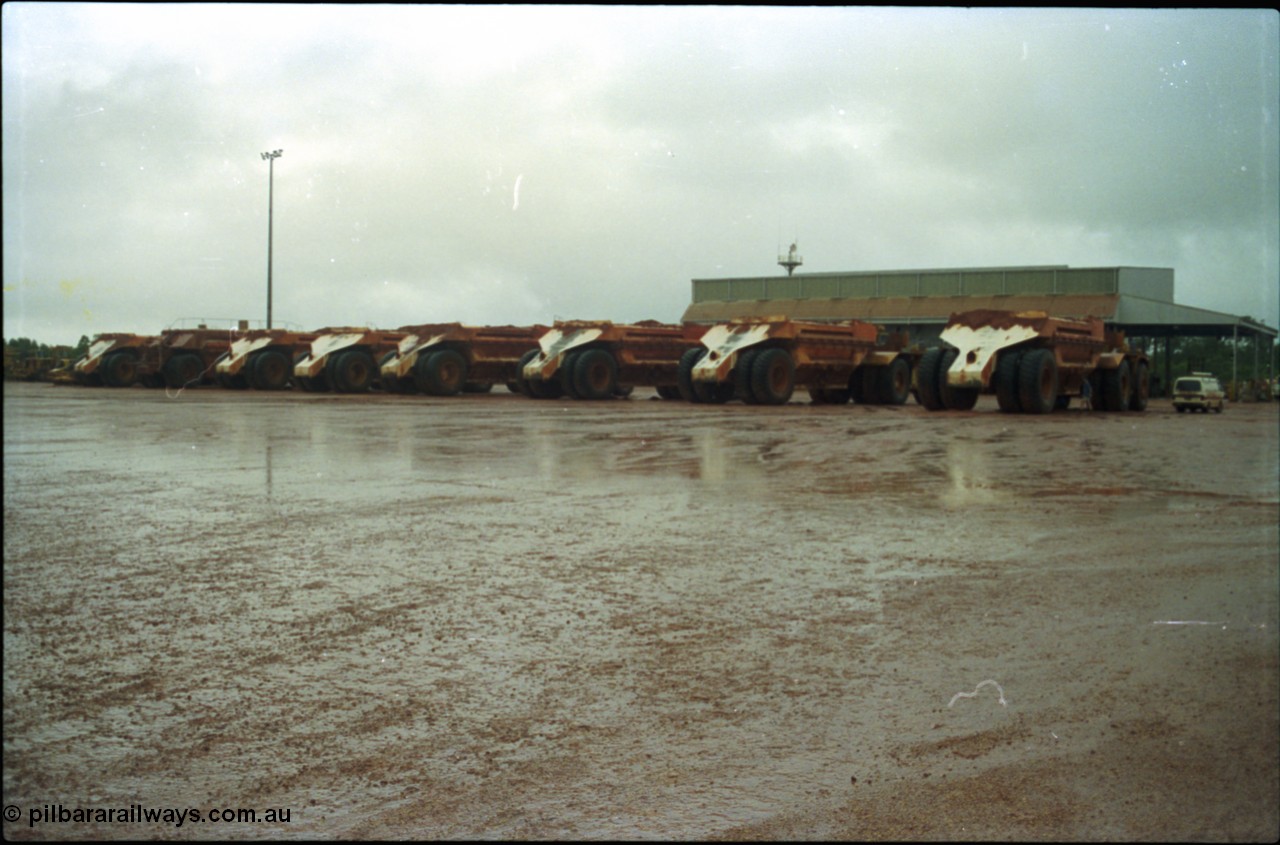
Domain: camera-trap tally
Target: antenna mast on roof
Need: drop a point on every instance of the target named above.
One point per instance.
(791, 260)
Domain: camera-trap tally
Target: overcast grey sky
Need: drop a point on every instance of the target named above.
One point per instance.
(518, 164)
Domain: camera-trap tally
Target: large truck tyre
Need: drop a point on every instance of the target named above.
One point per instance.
(927, 378)
(773, 377)
(269, 370)
(520, 383)
(1116, 388)
(684, 373)
(893, 382)
(119, 369)
(1141, 389)
(954, 398)
(1038, 381)
(352, 371)
(595, 374)
(1006, 379)
(857, 379)
(443, 373)
(868, 392)
(742, 388)
(566, 374)
(183, 369)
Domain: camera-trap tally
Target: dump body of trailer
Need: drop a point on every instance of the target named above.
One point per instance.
(762, 361)
(1033, 363)
(443, 359)
(600, 360)
(115, 360)
(262, 359)
(344, 359)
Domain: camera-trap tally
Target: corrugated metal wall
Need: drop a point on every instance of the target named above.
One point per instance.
(1149, 282)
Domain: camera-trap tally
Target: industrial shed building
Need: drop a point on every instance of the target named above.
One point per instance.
(1137, 300)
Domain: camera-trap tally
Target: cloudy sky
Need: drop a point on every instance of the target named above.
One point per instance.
(521, 164)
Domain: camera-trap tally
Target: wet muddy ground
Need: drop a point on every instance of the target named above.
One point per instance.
(494, 617)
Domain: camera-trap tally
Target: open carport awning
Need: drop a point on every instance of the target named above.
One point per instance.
(1151, 318)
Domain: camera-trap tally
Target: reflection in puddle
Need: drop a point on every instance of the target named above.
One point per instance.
(968, 470)
(719, 463)
(269, 467)
(708, 455)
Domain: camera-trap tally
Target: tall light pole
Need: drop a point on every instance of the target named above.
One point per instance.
(270, 158)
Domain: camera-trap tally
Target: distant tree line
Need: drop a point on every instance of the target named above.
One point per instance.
(22, 348)
(19, 354)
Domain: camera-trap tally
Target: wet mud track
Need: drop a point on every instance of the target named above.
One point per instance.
(492, 617)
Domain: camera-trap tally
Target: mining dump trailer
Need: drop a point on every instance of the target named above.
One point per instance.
(762, 361)
(183, 357)
(115, 360)
(262, 359)
(444, 359)
(601, 360)
(1032, 362)
(343, 359)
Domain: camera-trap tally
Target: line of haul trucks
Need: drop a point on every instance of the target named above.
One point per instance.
(1032, 362)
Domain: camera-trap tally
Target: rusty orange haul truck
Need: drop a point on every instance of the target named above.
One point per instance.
(344, 360)
(262, 359)
(762, 361)
(1032, 362)
(600, 360)
(443, 359)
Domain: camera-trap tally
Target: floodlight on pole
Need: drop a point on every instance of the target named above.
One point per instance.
(270, 158)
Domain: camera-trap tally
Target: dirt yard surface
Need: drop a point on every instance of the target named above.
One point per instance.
(495, 617)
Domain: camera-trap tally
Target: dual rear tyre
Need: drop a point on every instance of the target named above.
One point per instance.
(886, 385)
(773, 376)
(441, 373)
(351, 371)
(1037, 381)
(1027, 381)
(119, 369)
(1117, 388)
(590, 373)
(594, 373)
(269, 370)
(183, 370)
(761, 377)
